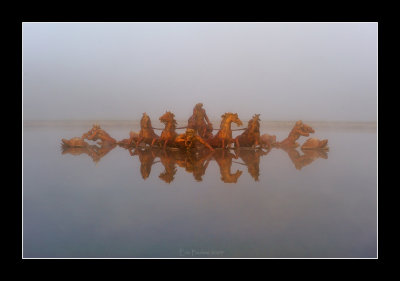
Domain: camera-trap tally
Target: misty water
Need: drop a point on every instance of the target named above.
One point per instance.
(259, 204)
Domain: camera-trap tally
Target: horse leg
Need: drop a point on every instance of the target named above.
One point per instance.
(139, 141)
(237, 145)
(237, 153)
(209, 146)
(152, 143)
(165, 144)
(223, 143)
(228, 143)
(131, 141)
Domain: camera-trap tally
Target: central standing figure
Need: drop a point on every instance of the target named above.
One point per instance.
(200, 123)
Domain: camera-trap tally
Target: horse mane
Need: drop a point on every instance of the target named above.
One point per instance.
(225, 115)
(171, 117)
(255, 119)
(142, 120)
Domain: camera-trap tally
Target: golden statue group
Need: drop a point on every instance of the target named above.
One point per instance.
(199, 137)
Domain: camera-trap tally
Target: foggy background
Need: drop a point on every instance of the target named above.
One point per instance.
(117, 71)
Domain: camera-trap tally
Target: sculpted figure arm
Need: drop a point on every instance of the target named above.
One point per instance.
(199, 139)
(180, 139)
(91, 137)
(206, 118)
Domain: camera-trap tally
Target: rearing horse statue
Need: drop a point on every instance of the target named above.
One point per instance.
(97, 133)
(224, 136)
(251, 136)
(299, 129)
(147, 134)
(168, 135)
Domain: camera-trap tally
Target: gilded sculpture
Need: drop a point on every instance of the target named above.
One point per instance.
(200, 123)
(251, 136)
(224, 138)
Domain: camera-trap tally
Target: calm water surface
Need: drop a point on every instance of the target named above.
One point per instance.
(111, 204)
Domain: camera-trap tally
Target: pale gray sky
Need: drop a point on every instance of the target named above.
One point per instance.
(284, 71)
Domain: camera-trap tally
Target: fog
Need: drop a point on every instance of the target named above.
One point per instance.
(117, 71)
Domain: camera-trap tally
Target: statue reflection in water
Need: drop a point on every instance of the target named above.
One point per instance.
(192, 161)
(224, 158)
(301, 160)
(193, 154)
(78, 145)
(147, 160)
(96, 152)
(251, 159)
(196, 162)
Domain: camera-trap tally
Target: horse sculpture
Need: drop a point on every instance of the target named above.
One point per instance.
(168, 135)
(94, 134)
(224, 136)
(200, 123)
(251, 136)
(97, 133)
(299, 129)
(146, 134)
(182, 148)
